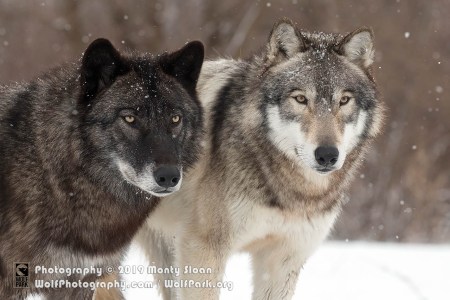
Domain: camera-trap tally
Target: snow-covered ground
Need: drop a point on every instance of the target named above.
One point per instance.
(344, 271)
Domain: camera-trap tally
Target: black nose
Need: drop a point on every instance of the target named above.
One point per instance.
(167, 176)
(326, 156)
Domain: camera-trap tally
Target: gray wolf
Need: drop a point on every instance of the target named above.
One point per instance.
(85, 152)
(285, 132)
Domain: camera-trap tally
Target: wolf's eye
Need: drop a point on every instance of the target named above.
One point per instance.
(176, 119)
(301, 99)
(344, 100)
(129, 119)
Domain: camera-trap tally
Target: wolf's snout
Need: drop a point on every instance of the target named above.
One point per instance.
(167, 176)
(326, 156)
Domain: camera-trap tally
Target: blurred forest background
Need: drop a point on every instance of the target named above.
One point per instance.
(403, 191)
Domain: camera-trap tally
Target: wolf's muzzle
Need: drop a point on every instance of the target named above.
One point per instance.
(167, 176)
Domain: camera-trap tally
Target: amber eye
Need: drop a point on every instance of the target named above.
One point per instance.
(176, 119)
(301, 99)
(129, 119)
(345, 100)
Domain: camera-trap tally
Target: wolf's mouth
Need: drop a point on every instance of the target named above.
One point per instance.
(325, 170)
(162, 193)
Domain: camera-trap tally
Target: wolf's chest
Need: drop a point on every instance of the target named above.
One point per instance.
(260, 223)
(64, 263)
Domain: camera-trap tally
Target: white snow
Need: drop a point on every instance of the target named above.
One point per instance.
(344, 271)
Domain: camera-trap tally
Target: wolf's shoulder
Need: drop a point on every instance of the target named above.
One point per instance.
(215, 75)
(59, 78)
(215, 71)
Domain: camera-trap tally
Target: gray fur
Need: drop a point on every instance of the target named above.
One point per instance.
(256, 187)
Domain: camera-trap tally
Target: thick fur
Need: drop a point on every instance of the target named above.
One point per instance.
(258, 186)
(76, 178)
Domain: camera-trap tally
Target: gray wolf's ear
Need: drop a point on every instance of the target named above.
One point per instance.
(284, 42)
(357, 46)
(185, 64)
(100, 66)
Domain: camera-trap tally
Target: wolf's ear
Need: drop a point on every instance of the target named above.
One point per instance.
(185, 64)
(357, 46)
(284, 42)
(100, 66)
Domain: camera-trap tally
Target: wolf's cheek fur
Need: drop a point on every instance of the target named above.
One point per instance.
(351, 136)
(287, 137)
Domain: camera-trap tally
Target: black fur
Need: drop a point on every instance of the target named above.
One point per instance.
(101, 65)
(219, 112)
(62, 197)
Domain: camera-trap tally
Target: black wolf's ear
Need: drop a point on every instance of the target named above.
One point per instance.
(100, 66)
(357, 46)
(284, 42)
(185, 64)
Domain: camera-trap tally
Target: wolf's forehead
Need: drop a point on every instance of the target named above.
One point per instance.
(321, 40)
(148, 83)
(312, 72)
(143, 96)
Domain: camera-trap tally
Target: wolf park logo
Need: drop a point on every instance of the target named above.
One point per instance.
(21, 278)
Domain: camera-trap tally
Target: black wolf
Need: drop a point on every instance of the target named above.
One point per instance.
(84, 150)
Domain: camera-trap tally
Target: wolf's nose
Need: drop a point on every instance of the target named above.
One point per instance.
(167, 176)
(326, 156)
